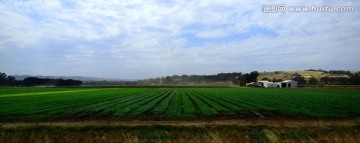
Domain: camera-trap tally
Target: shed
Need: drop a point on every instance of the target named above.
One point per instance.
(287, 84)
(266, 84)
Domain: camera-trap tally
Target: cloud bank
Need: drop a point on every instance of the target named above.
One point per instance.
(141, 39)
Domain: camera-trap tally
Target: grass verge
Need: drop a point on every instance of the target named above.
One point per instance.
(178, 134)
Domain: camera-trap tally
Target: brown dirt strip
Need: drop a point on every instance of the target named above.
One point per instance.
(234, 122)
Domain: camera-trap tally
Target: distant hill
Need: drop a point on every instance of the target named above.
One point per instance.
(306, 74)
(81, 78)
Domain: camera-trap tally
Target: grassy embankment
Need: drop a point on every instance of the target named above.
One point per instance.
(183, 134)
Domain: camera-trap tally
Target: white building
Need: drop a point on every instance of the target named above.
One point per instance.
(287, 84)
(265, 84)
(283, 84)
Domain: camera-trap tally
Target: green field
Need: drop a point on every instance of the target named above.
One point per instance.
(58, 104)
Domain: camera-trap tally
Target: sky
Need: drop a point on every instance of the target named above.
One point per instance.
(136, 39)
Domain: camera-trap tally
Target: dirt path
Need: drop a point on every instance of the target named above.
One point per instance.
(236, 122)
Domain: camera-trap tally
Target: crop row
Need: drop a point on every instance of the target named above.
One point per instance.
(174, 103)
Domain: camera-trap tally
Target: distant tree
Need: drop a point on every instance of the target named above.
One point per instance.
(312, 81)
(253, 76)
(249, 77)
(11, 81)
(338, 72)
(32, 81)
(168, 80)
(335, 80)
(246, 78)
(354, 79)
(300, 79)
(242, 80)
(68, 82)
(236, 78)
(7, 80)
(3, 77)
(325, 80)
(35, 81)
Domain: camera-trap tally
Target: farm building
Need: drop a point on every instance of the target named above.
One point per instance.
(287, 84)
(268, 84)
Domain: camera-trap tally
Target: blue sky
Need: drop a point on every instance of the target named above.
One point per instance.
(142, 39)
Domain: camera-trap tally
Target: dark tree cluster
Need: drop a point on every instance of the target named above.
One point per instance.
(318, 70)
(194, 79)
(67, 82)
(236, 78)
(251, 77)
(110, 83)
(313, 81)
(35, 81)
(300, 79)
(353, 79)
(339, 72)
(7, 80)
(334, 80)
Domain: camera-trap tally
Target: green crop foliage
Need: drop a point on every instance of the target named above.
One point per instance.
(37, 104)
(175, 105)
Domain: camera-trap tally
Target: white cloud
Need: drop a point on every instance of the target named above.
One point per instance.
(16, 29)
(216, 33)
(136, 39)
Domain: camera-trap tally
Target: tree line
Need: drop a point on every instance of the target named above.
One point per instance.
(35, 81)
(236, 78)
(338, 72)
